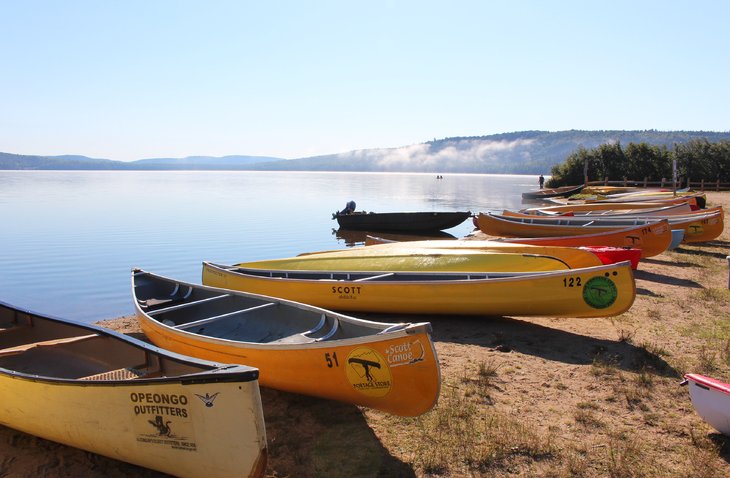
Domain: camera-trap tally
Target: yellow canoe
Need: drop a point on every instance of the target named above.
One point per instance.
(416, 259)
(104, 392)
(573, 258)
(697, 228)
(588, 292)
(298, 348)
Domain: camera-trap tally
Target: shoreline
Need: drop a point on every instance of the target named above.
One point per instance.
(537, 396)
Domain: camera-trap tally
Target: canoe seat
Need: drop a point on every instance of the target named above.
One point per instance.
(45, 343)
(127, 373)
(304, 338)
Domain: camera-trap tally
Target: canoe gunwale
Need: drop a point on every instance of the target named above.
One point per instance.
(498, 276)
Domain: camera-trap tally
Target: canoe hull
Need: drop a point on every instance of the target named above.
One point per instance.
(556, 294)
(652, 240)
(445, 259)
(405, 381)
(563, 191)
(697, 228)
(711, 400)
(118, 421)
(401, 221)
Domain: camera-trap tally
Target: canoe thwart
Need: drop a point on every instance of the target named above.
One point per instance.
(394, 327)
(379, 276)
(45, 343)
(187, 304)
(189, 325)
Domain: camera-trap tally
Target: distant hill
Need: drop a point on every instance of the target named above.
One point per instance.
(525, 152)
(204, 162)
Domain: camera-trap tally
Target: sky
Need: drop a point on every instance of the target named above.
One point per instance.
(175, 78)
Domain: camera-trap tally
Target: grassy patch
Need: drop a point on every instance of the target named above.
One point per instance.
(462, 437)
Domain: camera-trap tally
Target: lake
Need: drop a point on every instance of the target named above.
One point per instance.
(71, 238)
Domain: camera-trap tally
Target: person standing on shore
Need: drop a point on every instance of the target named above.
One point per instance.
(541, 180)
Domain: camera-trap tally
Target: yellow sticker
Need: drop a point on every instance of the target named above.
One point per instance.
(368, 372)
(695, 229)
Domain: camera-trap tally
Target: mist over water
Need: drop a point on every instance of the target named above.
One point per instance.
(71, 238)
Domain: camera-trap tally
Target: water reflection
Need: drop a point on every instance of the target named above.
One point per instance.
(354, 238)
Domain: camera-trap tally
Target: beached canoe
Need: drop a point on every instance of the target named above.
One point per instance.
(298, 348)
(563, 191)
(699, 199)
(408, 222)
(593, 208)
(699, 228)
(711, 400)
(600, 291)
(664, 210)
(696, 200)
(575, 258)
(652, 240)
(603, 254)
(101, 391)
(420, 259)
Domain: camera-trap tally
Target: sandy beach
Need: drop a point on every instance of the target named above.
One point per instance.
(520, 396)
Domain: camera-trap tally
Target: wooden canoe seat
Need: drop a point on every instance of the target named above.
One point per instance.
(127, 373)
(45, 343)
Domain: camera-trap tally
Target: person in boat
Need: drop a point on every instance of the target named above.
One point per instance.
(349, 208)
(541, 180)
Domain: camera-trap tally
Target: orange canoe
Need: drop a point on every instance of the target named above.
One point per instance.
(697, 228)
(652, 239)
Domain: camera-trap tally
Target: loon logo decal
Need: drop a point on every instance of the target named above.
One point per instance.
(207, 398)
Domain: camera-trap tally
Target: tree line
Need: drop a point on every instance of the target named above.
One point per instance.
(697, 159)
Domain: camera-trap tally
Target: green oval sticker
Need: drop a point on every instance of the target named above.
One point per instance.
(600, 292)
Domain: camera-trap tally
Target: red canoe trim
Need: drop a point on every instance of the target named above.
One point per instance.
(709, 382)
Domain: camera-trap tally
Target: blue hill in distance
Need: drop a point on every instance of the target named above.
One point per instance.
(525, 152)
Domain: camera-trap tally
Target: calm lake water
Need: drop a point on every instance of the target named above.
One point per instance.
(71, 238)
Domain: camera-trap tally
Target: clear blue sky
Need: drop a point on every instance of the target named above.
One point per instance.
(136, 79)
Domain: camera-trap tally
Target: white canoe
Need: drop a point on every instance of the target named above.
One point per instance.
(711, 399)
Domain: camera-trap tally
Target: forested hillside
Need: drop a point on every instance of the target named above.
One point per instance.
(525, 152)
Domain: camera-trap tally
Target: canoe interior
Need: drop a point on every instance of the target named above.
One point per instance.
(371, 276)
(239, 317)
(34, 345)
